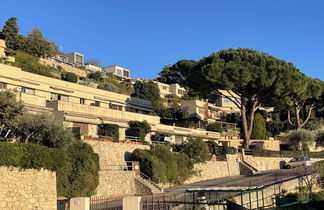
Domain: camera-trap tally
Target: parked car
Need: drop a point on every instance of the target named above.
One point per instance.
(298, 161)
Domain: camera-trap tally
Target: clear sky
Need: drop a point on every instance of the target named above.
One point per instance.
(145, 35)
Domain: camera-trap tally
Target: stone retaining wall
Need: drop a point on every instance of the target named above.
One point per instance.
(27, 189)
(216, 169)
(112, 153)
(269, 163)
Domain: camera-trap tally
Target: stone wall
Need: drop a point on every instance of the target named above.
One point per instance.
(216, 169)
(113, 181)
(268, 163)
(27, 189)
(112, 153)
(116, 183)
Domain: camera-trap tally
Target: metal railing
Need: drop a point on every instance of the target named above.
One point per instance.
(148, 179)
(106, 203)
(132, 138)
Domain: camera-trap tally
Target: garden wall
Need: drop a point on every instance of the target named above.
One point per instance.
(27, 189)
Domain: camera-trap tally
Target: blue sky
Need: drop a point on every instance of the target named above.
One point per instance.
(143, 36)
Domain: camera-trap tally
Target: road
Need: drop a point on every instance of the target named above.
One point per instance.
(262, 179)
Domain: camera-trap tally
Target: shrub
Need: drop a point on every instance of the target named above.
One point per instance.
(319, 139)
(111, 130)
(259, 127)
(216, 127)
(196, 150)
(70, 77)
(259, 152)
(30, 63)
(76, 169)
(212, 146)
(162, 165)
(84, 170)
(297, 138)
(223, 150)
(159, 136)
(138, 129)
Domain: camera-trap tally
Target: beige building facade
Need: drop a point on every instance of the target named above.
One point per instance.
(119, 72)
(166, 89)
(4, 53)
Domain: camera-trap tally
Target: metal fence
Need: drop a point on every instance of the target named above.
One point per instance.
(105, 203)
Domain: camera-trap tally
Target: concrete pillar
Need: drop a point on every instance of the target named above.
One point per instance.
(122, 134)
(80, 203)
(132, 203)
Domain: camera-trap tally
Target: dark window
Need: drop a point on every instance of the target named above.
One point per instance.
(63, 97)
(82, 100)
(28, 90)
(114, 106)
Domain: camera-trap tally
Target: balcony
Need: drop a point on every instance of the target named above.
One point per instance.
(86, 111)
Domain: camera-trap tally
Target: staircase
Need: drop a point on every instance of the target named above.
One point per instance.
(246, 168)
(148, 182)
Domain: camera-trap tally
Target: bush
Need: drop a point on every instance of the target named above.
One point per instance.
(30, 63)
(297, 138)
(196, 150)
(259, 152)
(164, 166)
(319, 139)
(111, 130)
(212, 146)
(84, 170)
(138, 129)
(216, 127)
(70, 77)
(159, 136)
(76, 169)
(223, 150)
(259, 127)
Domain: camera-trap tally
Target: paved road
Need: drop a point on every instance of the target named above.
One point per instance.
(262, 179)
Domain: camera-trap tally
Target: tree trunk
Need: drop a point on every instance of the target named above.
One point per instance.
(247, 123)
(27, 137)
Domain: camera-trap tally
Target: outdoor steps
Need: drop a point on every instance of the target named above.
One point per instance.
(154, 188)
(246, 168)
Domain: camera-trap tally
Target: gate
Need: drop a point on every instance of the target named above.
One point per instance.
(105, 203)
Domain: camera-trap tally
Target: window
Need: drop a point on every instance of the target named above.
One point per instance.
(114, 106)
(126, 73)
(181, 92)
(28, 90)
(63, 98)
(164, 88)
(82, 100)
(3, 85)
(120, 72)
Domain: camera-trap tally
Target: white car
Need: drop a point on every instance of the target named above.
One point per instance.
(298, 161)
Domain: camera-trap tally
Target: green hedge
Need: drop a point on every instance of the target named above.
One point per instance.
(164, 166)
(76, 169)
(270, 153)
(111, 130)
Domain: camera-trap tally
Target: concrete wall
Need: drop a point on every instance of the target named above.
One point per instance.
(28, 189)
